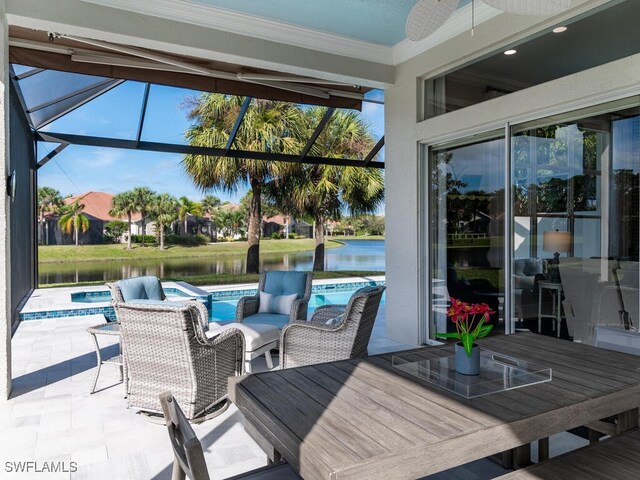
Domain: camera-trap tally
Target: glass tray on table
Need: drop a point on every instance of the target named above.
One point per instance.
(498, 373)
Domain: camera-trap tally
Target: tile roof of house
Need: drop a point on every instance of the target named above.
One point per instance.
(230, 206)
(98, 204)
(279, 219)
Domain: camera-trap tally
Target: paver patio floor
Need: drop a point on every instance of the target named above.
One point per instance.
(52, 417)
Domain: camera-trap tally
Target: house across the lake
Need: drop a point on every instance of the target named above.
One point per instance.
(96, 207)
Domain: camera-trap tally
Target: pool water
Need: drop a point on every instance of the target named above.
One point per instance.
(221, 304)
(225, 310)
(105, 295)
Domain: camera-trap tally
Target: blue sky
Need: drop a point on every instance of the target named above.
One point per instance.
(79, 169)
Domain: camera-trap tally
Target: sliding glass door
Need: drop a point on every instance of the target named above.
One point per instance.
(576, 226)
(466, 227)
(571, 217)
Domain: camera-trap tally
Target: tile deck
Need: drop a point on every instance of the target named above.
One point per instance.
(52, 417)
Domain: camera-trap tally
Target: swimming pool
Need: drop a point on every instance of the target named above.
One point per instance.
(221, 303)
(224, 309)
(105, 295)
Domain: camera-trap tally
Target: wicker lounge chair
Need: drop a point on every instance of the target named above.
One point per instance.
(148, 289)
(188, 455)
(335, 332)
(166, 348)
(277, 283)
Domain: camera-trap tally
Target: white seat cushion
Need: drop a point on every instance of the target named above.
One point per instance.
(256, 335)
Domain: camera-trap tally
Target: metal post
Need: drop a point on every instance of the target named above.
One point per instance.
(507, 309)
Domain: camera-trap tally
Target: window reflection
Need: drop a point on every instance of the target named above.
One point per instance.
(467, 228)
(576, 229)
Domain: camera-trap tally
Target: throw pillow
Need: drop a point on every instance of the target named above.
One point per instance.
(265, 302)
(280, 304)
(335, 320)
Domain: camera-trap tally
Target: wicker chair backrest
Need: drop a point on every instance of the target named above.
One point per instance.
(163, 350)
(360, 316)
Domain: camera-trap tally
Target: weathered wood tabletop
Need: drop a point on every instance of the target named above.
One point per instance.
(363, 418)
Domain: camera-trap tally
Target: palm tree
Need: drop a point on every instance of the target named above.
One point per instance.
(124, 204)
(49, 203)
(323, 191)
(74, 220)
(268, 126)
(237, 221)
(165, 211)
(143, 200)
(209, 203)
(188, 207)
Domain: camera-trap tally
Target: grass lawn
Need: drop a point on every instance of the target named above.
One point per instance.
(111, 252)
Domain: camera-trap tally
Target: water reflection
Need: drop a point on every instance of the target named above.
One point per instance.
(355, 255)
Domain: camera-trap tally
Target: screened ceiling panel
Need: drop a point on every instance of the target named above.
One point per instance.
(163, 102)
(375, 95)
(20, 69)
(49, 85)
(79, 109)
(114, 114)
(47, 114)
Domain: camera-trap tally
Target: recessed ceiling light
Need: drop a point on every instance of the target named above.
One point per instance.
(559, 29)
(511, 52)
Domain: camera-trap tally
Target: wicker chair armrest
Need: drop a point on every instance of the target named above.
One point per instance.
(247, 306)
(327, 312)
(307, 328)
(219, 339)
(302, 343)
(299, 310)
(204, 312)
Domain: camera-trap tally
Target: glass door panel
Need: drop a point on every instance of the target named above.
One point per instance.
(466, 221)
(576, 227)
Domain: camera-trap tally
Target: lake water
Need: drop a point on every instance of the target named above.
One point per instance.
(354, 255)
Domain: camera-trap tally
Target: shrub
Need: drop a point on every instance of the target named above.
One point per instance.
(113, 231)
(292, 236)
(147, 238)
(187, 240)
(276, 235)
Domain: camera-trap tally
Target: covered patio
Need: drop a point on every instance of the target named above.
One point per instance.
(511, 156)
(52, 417)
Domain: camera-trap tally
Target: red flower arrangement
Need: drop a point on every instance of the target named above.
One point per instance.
(463, 315)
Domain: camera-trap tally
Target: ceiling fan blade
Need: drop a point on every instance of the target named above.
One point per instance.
(427, 16)
(530, 7)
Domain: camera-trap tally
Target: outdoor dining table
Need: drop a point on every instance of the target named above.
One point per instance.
(364, 418)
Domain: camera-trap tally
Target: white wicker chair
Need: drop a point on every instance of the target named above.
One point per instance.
(277, 283)
(166, 348)
(315, 341)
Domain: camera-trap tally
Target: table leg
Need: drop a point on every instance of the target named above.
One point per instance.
(627, 420)
(98, 363)
(273, 456)
(543, 449)
(515, 458)
(522, 456)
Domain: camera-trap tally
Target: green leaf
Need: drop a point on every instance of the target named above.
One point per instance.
(476, 331)
(448, 335)
(467, 342)
(484, 331)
